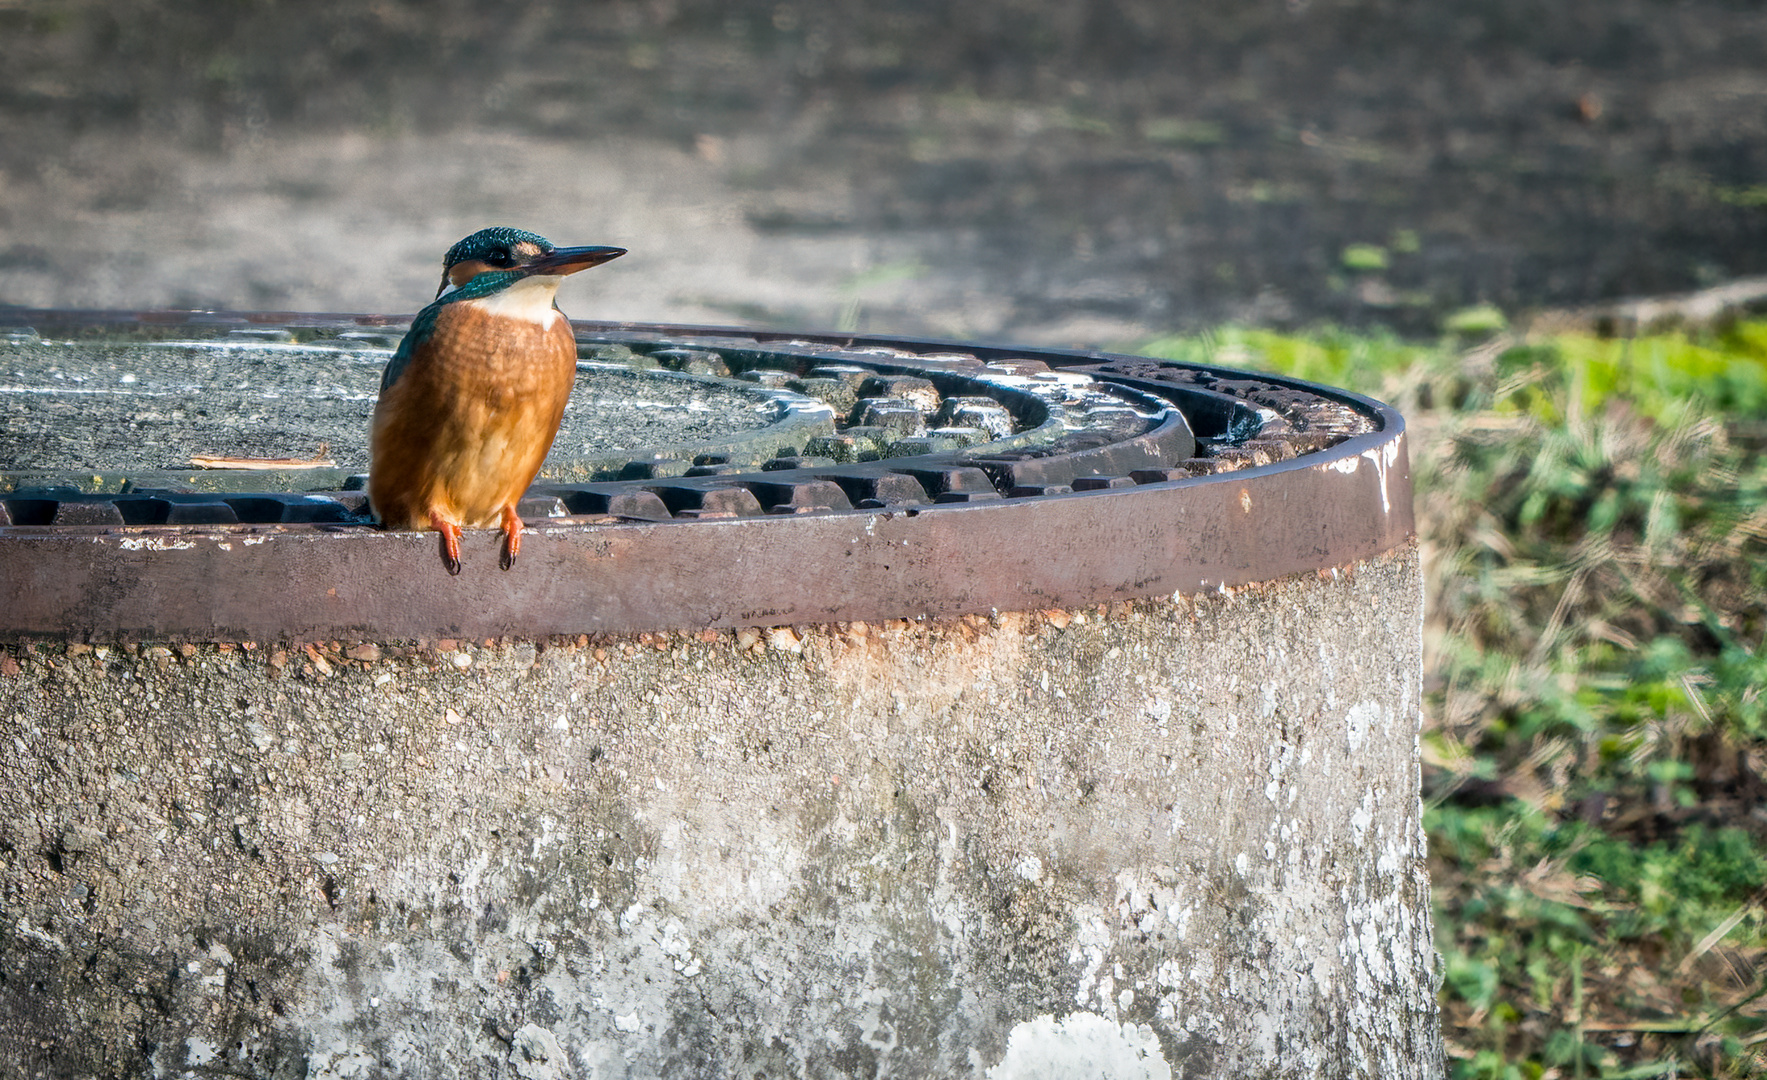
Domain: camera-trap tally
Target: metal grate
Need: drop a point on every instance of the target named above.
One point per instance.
(1010, 477)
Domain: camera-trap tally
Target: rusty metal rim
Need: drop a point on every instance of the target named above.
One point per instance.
(1314, 512)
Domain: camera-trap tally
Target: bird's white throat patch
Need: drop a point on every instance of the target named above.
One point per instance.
(530, 298)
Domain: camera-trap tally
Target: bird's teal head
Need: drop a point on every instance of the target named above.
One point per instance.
(498, 257)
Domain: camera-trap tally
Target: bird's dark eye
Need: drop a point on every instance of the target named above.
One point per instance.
(500, 257)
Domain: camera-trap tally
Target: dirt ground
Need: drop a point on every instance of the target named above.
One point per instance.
(1037, 170)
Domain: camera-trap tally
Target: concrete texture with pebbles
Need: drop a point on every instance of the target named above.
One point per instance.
(1159, 838)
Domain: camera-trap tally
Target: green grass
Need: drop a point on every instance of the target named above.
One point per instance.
(1593, 514)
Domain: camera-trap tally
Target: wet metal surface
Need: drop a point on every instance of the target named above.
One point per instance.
(935, 479)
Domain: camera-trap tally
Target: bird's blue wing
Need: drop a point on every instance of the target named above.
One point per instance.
(421, 328)
(425, 323)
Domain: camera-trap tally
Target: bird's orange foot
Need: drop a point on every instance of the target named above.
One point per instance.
(512, 537)
(450, 541)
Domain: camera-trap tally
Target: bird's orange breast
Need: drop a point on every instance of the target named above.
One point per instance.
(464, 428)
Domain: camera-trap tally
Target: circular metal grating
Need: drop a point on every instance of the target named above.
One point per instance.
(1015, 478)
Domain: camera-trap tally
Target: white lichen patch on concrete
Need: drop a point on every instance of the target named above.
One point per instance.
(1359, 719)
(1081, 1045)
(536, 1054)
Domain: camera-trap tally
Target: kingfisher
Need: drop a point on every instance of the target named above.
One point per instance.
(472, 399)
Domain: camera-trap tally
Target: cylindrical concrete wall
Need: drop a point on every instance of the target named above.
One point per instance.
(1088, 750)
(1173, 837)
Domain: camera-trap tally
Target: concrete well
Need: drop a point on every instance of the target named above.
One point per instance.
(1114, 777)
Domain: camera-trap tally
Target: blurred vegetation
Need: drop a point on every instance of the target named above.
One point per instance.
(1593, 514)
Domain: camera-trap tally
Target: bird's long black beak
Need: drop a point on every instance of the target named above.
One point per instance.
(569, 260)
